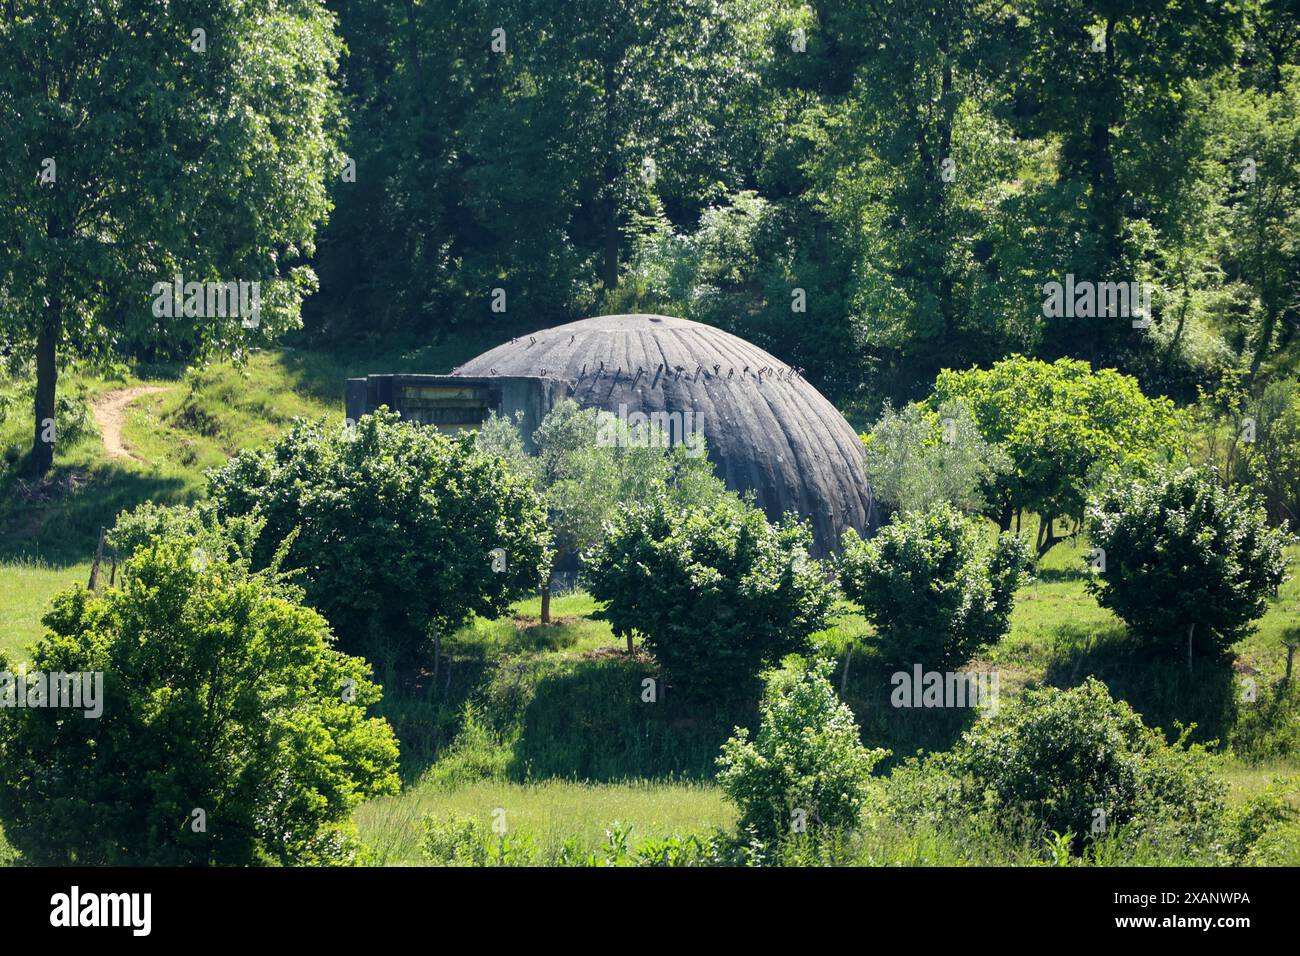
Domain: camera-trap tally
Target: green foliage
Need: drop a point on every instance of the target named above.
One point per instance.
(459, 840)
(589, 464)
(1268, 727)
(1272, 461)
(137, 528)
(805, 769)
(168, 161)
(1183, 553)
(1078, 762)
(936, 591)
(718, 592)
(1063, 426)
(221, 693)
(392, 525)
(917, 459)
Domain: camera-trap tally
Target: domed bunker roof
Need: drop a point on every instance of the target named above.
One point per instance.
(767, 429)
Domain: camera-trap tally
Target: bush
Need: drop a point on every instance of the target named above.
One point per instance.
(805, 766)
(142, 525)
(718, 592)
(1272, 462)
(221, 693)
(1183, 560)
(1075, 759)
(936, 593)
(395, 527)
(459, 840)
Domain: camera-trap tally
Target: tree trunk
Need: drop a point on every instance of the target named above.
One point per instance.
(1290, 656)
(609, 212)
(546, 587)
(1262, 345)
(630, 649)
(1191, 630)
(1004, 516)
(94, 568)
(46, 377)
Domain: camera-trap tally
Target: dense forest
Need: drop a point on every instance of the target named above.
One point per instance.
(873, 190)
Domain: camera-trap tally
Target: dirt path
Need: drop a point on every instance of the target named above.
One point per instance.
(110, 413)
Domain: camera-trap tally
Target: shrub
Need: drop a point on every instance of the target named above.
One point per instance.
(805, 766)
(718, 592)
(142, 525)
(936, 593)
(221, 693)
(459, 840)
(1184, 560)
(395, 527)
(1074, 758)
(1272, 462)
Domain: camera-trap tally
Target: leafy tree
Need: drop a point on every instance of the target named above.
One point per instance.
(393, 526)
(806, 769)
(1064, 427)
(1102, 81)
(1184, 560)
(935, 591)
(137, 151)
(1257, 139)
(231, 730)
(1271, 462)
(913, 169)
(717, 591)
(917, 459)
(589, 464)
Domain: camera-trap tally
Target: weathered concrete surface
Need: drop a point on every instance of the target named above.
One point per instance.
(767, 429)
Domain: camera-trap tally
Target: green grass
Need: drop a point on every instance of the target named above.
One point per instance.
(550, 812)
(28, 587)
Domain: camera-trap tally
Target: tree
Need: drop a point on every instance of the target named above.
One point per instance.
(936, 593)
(717, 591)
(806, 769)
(917, 459)
(1101, 81)
(589, 464)
(1257, 139)
(1183, 558)
(1064, 427)
(142, 146)
(401, 533)
(639, 80)
(912, 171)
(230, 731)
(1271, 463)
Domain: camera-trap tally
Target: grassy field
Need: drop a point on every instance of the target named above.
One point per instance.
(551, 812)
(545, 721)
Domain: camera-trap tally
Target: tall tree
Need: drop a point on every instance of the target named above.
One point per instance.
(1107, 83)
(147, 141)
